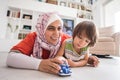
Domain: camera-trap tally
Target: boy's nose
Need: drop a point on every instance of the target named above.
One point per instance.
(81, 41)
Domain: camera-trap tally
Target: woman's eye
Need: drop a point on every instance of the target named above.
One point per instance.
(50, 28)
(53, 28)
(59, 28)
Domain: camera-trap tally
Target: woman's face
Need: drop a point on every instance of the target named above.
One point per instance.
(52, 33)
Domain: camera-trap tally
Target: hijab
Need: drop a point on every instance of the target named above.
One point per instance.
(43, 22)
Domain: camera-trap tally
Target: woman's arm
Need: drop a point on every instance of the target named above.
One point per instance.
(61, 50)
(19, 60)
(80, 63)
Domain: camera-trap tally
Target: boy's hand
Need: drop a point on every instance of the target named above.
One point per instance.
(93, 61)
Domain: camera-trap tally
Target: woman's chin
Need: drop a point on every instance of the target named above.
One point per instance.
(54, 43)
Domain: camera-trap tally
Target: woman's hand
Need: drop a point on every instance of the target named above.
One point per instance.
(51, 65)
(93, 61)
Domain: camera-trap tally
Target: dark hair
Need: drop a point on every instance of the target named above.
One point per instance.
(90, 30)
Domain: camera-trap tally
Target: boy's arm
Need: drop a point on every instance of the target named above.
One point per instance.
(80, 63)
(61, 49)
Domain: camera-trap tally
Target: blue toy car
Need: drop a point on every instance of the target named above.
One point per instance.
(65, 70)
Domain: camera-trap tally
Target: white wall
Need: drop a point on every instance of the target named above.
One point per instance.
(117, 22)
(3, 18)
(98, 13)
(110, 10)
(103, 15)
(43, 7)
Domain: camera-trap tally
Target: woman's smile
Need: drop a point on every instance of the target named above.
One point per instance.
(54, 38)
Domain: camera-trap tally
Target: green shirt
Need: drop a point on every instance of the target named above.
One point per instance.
(70, 53)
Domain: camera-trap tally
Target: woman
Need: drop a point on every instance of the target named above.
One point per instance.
(38, 49)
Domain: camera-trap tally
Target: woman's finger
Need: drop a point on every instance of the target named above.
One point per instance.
(54, 64)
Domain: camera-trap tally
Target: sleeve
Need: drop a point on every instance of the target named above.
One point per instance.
(19, 60)
(65, 36)
(26, 45)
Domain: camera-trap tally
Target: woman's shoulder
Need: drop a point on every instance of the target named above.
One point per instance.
(32, 34)
(26, 45)
(65, 36)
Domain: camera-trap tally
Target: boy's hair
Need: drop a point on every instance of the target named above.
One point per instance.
(90, 30)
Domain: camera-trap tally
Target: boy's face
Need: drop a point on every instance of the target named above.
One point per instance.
(80, 41)
(52, 33)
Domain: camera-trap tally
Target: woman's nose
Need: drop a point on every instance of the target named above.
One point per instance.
(56, 32)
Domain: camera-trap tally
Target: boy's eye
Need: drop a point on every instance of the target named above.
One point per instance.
(80, 37)
(88, 41)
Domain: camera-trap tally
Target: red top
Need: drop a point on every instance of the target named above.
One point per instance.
(27, 44)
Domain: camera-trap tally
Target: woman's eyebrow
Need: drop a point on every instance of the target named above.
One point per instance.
(50, 27)
(53, 26)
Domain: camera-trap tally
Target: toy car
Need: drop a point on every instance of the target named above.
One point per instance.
(65, 70)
